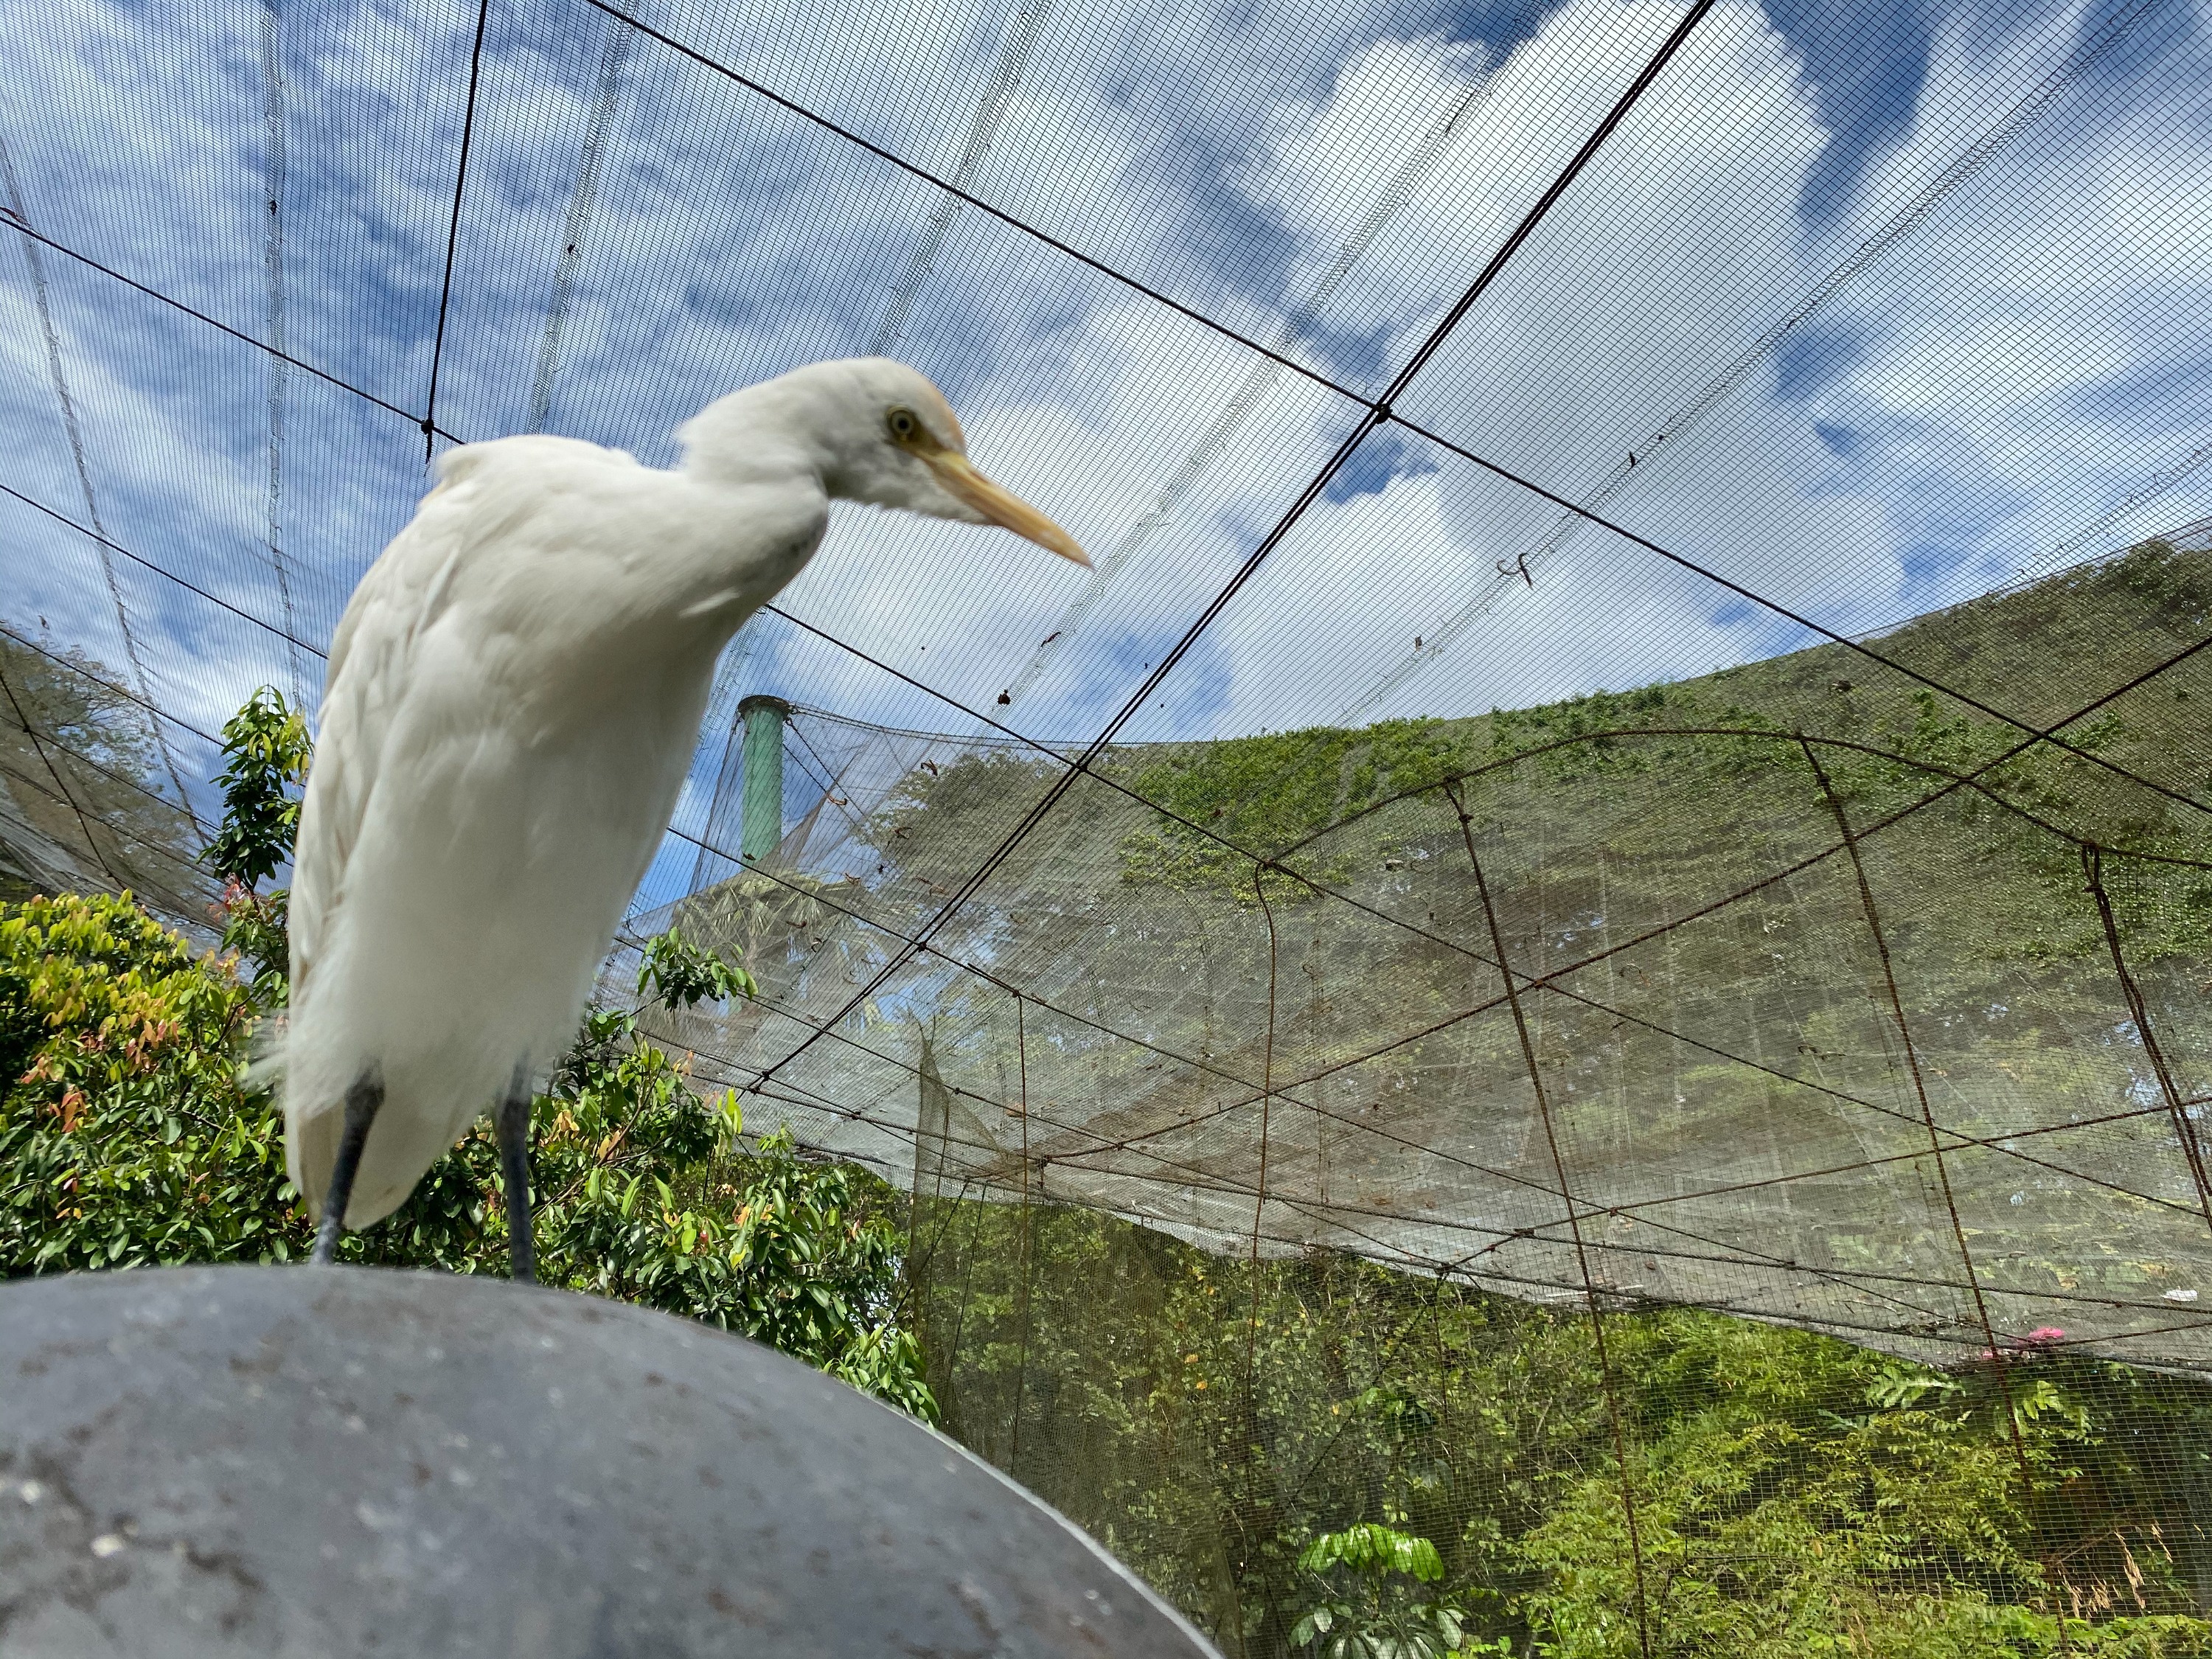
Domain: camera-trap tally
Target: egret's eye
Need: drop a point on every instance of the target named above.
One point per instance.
(905, 425)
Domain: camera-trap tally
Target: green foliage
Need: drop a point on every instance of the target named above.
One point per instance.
(265, 752)
(1370, 1547)
(1265, 794)
(682, 975)
(129, 1133)
(123, 1136)
(1340, 1463)
(1366, 1612)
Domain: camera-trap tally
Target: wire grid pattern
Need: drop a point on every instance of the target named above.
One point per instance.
(1540, 1021)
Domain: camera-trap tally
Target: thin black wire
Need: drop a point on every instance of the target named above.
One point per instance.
(114, 546)
(454, 233)
(1547, 982)
(1377, 413)
(1998, 1356)
(1380, 411)
(239, 335)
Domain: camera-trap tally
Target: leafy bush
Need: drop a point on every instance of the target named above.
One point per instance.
(129, 1134)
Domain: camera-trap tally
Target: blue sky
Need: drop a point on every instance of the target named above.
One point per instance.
(1892, 303)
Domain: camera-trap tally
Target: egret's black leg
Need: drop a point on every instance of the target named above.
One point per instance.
(360, 1103)
(514, 1174)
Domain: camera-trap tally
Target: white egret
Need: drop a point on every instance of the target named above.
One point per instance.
(515, 693)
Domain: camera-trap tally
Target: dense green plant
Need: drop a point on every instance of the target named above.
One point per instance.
(1330, 1458)
(130, 1135)
(1370, 1607)
(265, 754)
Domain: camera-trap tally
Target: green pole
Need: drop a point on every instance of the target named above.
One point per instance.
(760, 816)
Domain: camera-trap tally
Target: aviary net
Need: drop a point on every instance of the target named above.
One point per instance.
(1778, 992)
(1337, 1044)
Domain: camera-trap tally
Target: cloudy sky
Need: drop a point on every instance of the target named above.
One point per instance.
(1892, 303)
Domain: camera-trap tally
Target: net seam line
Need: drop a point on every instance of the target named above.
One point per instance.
(1267, 1100)
(1022, 1370)
(1373, 418)
(277, 180)
(2184, 1127)
(1998, 1356)
(1259, 1205)
(1805, 623)
(1962, 1143)
(916, 170)
(1906, 222)
(173, 856)
(1574, 1227)
(454, 233)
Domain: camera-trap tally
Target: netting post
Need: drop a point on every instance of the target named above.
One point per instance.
(760, 822)
(1998, 1356)
(1574, 1221)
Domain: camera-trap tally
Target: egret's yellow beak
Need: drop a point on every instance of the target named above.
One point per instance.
(1009, 511)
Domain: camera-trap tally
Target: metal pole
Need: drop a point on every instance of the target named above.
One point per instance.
(760, 816)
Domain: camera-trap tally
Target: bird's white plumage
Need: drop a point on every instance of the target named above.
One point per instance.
(512, 697)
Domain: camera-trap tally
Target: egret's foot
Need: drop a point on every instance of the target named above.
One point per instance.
(513, 1125)
(361, 1105)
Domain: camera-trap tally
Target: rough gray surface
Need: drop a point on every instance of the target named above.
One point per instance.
(341, 1461)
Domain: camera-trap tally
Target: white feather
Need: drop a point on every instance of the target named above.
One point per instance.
(514, 694)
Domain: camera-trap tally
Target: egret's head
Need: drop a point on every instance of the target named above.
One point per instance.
(876, 432)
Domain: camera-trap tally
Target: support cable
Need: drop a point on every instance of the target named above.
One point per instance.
(1021, 1368)
(1566, 1195)
(454, 233)
(2000, 1357)
(290, 638)
(1377, 414)
(2185, 1126)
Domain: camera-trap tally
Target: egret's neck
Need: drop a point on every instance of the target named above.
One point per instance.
(774, 433)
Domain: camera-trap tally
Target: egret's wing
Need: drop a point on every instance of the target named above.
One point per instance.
(367, 675)
(371, 656)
